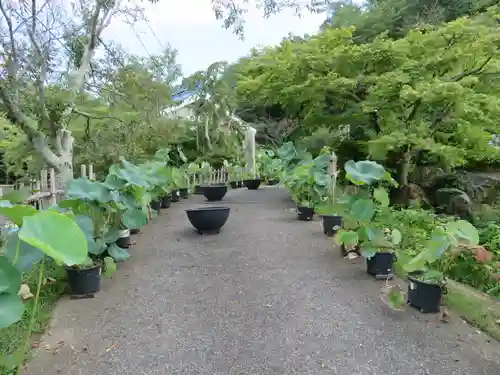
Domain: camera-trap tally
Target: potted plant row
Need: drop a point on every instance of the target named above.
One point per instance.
(86, 233)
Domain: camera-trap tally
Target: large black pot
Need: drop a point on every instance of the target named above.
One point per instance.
(208, 219)
(241, 184)
(305, 213)
(134, 231)
(84, 281)
(425, 296)
(252, 184)
(184, 193)
(214, 192)
(156, 205)
(331, 224)
(175, 195)
(166, 201)
(381, 265)
(124, 240)
(233, 184)
(198, 189)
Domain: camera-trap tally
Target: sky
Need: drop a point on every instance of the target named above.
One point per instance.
(190, 27)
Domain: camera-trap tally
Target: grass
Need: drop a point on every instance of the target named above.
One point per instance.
(473, 306)
(13, 337)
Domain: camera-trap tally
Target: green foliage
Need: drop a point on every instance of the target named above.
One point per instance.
(396, 17)
(433, 93)
(366, 214)
(39, 233)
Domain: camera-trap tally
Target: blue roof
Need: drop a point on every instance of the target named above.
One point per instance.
(184, 94)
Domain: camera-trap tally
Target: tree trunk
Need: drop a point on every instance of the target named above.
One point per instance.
(405, 169)
(62, 159)
(207, 135)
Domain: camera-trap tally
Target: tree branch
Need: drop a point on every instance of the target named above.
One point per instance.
(461, 76)
(28, 126)
(43, 68)
(96, 117)
(13, 60)
(77, 81)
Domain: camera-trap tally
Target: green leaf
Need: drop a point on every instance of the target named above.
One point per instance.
(434, 248)
(368, 252)
(134, 219)
(86, 225)
(363, 209)
(17, 212)
(11, 361)
(117, 253)
(56, 235)
(382, 196)
(10, 277)
(11, 309)
(17, 196)
(396, 298)
(109, 266)
(111, 236)
(113, 182)
(464, 231)
(364, 172)
(84, 189)
(27, 255)
(396, 237)
(346, 237)
(321, 179)
(96, 246)
(88, 262)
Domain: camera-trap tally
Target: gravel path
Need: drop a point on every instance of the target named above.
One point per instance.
(268, 295)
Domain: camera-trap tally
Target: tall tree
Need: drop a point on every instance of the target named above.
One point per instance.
(32, 37)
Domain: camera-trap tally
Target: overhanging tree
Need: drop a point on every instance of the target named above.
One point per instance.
(33, 55)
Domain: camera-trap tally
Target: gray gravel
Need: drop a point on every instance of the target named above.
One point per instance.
(268, 295)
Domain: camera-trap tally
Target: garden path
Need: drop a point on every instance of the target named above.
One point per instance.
(268, 295)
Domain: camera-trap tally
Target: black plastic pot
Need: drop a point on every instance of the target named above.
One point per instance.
(184, 192)
(381, 265)
(214, 192)
(425, 296)
(175, 195)
(124, 240)
(166, 201)
(272, 182)
(331, 224)
(233, 184)
(208, 220)
(252, 184)
(84, 281)
(156, 205)
(241, 184)
(198, 189)
(134, 231)
(305, 213)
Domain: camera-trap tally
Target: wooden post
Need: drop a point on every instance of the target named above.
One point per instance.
(83, 171)
(43, 181)
(53, 191)
(332, 172)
